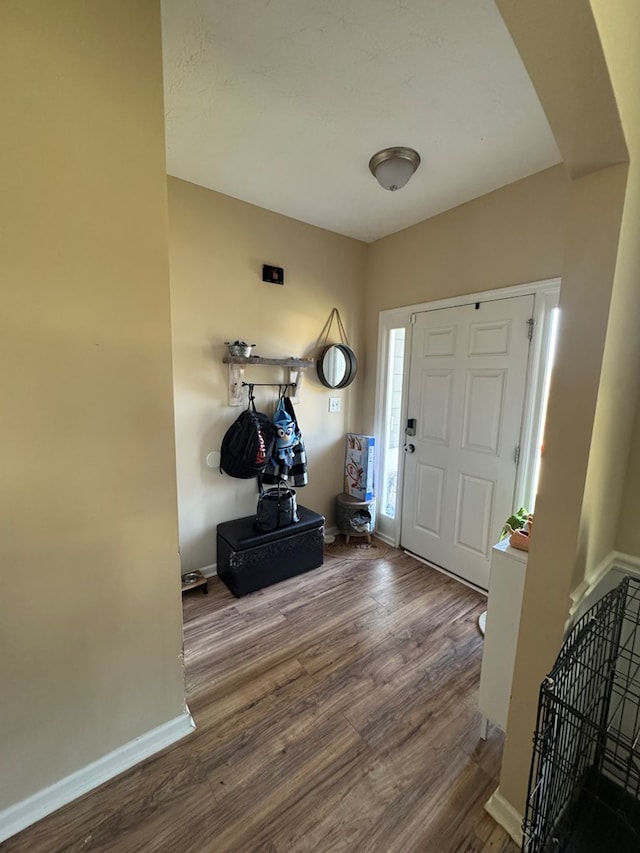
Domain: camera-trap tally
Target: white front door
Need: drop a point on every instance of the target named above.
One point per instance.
(466, 393)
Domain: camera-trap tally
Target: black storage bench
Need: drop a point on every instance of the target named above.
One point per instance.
(249, 560)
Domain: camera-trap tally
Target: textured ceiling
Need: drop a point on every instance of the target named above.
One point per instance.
(281, 103)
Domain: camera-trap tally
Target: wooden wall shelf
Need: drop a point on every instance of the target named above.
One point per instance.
(237, 365)
(282, 362)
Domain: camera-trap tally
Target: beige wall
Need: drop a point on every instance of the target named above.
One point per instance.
(620, 34)
(555, 566)
(594, 387)
(90, 616)
(217, 248)
(511, 236)
(606, 509)
(628, 536)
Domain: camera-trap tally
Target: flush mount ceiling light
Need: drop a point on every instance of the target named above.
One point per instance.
(392, 167)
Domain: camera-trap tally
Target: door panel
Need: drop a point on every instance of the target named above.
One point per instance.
(441, 341)
(437, 387)
(473, 513)
(482, 415)
(430, 499)
(490, 338)
(466, 391)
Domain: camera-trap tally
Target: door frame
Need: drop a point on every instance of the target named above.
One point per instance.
(546, 296)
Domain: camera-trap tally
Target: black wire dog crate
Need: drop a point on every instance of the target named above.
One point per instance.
(584, 786)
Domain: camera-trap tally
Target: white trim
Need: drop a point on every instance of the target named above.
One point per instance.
(587, 586)
(591, 589)
(446, 572)
(628, 562)
(395, 318)
(537, 375)
(384, 538)
(386, 527)
(208, 571)
(548, 285)
(389, 528)
(545, 293)
(39, 805)
(506, 815)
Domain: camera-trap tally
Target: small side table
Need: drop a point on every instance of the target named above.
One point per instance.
(355, 517)
(191, 580)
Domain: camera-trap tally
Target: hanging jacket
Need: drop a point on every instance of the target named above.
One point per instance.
(291, 465)
(286, 431)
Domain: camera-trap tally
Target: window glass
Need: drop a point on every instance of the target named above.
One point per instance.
(393, 431)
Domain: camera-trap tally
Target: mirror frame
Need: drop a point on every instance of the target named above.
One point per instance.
(351, 366)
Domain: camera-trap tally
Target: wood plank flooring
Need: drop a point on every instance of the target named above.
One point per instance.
(336, 712)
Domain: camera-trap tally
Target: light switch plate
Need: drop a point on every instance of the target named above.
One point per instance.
(335, 404)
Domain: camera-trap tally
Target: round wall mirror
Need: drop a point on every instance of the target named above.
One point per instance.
(337, 366)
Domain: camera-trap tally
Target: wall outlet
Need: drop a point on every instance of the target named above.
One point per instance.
(335, 404)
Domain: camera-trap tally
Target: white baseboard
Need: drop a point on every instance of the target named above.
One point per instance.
(587, 586)
(448, 573)
(39, 805)
(504, 813)
(602, 578)
(384, 537)
(627, 562)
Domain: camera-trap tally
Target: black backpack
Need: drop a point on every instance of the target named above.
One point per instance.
(247, 444)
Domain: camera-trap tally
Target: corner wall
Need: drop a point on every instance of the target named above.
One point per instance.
(620, 34)
(217, 247)
(90, 613)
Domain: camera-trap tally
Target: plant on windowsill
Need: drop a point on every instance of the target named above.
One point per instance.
(518, 528)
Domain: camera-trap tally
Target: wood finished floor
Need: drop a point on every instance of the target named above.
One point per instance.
(335, 712)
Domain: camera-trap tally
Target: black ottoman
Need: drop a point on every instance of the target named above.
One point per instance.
(249, 560)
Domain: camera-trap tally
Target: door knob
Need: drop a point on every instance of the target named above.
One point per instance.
(409, 448)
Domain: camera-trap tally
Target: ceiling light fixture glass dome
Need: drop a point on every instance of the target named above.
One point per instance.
(392, 167)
